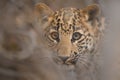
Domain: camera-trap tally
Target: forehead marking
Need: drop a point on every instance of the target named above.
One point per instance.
(68, 18)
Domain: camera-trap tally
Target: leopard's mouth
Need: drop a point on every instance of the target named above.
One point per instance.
(72, 60)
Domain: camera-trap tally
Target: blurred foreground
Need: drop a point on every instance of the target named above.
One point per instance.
(16, 21)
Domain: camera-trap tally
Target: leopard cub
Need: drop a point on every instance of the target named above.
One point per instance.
(73, 35)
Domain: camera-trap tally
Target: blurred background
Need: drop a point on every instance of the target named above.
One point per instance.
(18, 13)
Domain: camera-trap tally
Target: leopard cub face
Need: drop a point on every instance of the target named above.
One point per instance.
(72, 34)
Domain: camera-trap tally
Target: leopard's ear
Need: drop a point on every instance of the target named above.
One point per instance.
(42, 11)
(91, 12)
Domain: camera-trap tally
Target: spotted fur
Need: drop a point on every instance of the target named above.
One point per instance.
(70, 32)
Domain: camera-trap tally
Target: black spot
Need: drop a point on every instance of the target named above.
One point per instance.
(58, 20)
(81, 40)
(75, 53)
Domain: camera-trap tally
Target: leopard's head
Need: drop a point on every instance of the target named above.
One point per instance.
(71, 33)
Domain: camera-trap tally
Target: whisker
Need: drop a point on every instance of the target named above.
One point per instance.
(83, 62)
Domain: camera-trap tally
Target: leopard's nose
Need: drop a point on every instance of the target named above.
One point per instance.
(64, 59)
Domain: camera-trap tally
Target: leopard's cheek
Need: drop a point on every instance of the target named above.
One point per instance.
(86, 45)
(90, 44)
(81, 47)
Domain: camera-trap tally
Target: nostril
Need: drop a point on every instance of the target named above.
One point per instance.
(63, 58)
(75, 53)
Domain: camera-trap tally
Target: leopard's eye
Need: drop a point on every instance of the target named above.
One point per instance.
(55, 35)
(76, 36)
